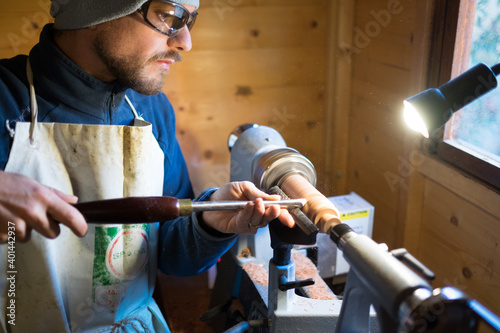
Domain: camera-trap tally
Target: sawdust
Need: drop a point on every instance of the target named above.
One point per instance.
(305, 269)
(257, 272)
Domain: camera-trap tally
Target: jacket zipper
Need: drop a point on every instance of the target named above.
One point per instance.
(111, 105)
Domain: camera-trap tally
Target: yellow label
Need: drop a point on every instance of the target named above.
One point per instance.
(354, 215)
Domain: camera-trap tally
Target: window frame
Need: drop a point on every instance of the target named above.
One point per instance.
(451, 47)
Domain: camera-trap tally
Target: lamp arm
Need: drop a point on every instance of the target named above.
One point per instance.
(496, 69)
(469, 86)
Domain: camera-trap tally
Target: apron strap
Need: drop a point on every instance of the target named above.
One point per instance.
(33, 105)
(134, 111)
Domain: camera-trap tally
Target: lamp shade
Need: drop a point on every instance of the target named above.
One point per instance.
(431, 109)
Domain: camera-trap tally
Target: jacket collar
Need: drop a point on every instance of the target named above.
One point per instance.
(61, 81)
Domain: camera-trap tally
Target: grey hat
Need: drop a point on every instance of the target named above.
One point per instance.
(78, 14)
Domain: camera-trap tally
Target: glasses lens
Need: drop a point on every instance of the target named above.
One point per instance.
(169, 18)
(193, 17)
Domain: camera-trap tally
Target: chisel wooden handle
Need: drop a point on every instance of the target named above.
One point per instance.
(157, 209)
(130, 210)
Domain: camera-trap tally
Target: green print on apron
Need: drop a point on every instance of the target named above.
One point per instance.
(121, 254)
(103, 281)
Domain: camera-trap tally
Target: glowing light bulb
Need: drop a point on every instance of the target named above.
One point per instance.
(414, 120)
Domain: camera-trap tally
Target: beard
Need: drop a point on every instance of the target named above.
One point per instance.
(130, 70)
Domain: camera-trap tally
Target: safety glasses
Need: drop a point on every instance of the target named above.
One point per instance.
(166, 17)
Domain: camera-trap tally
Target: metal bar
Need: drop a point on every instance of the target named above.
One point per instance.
(200, 206)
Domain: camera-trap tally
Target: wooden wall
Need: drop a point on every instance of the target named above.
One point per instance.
(381, 69)
(459, 231)
(252, 61)
(330, 76)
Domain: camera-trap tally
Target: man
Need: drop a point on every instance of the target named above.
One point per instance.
(83, 118)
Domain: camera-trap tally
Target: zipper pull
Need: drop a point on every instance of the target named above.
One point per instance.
(113, 94)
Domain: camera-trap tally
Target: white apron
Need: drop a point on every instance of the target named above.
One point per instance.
(73, 284)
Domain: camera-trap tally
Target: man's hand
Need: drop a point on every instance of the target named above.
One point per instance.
(252, 217)
(30, 205)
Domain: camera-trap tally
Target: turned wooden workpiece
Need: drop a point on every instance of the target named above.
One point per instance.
(321, 211)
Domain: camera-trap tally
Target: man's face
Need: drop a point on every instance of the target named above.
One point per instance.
(136, 55)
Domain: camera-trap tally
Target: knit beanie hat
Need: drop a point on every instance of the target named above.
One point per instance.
(78, 14)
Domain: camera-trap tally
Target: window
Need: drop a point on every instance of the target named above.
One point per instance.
(472, 137)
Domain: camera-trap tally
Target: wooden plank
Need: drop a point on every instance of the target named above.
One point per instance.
(366, 182)
(382, 74)
(296, 112)
(465, 237)
(408, 228)
(385, 219)
(385, 115)
(380, 83)
(378, 23)
(21, 24)
(410, 201)
(455, 267)
(16, 7)
(402, 9)
(398, 33)
(461, 184)
(387, 160)
(366, 174)
(373, 155)
(384, 227)
(231, 5)
(253, 68)
(338, 98)
(284, 107)
(384, 49)
(18, 34)
(261, 27)
(463, 224)
(372, 144)
(368, 179)
(246, 78)
(371, 185)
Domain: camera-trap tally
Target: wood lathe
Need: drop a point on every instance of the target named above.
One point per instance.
(386, 291)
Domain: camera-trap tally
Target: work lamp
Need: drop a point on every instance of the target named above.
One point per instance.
(429, 110)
